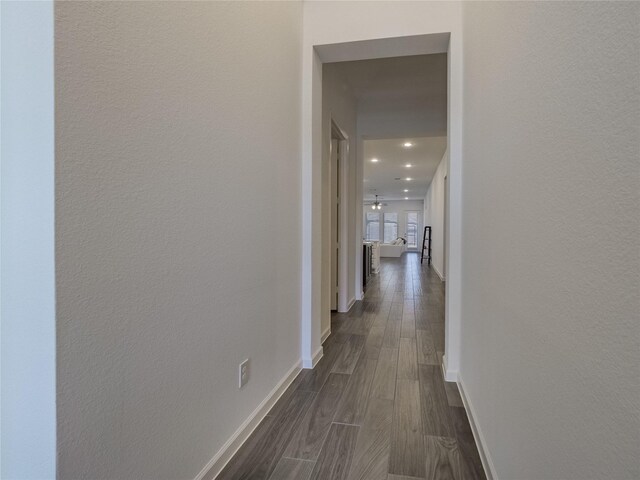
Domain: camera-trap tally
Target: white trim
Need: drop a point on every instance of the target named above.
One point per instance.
(343, 217)
(311, 281)
(442, 279)
(352, 302)
(384, 47)
(213, 468)
(453, 260)
(449, 375)
(313, 361)
(325, 334)
(487, 463)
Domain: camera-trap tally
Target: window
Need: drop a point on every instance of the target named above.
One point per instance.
(372, 227)
(412, 229)
(390, 227)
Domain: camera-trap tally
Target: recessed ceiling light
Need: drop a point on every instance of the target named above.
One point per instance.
(405, 190)
(374, 160)
(408, 165)
(406, 198)
(408, 179)
(407, 144)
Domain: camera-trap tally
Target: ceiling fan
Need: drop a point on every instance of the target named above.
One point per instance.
(377, 205)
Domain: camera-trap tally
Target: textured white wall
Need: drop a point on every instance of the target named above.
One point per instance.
(550, 357)
(178, 227)
(434, 212)
(28, 441)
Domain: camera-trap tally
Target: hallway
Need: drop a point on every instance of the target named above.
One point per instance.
(376, 406)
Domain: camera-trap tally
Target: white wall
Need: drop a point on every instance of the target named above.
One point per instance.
(550, 357)
(350, 21)
(434, 212)
(28, 421)
(339, 104)
(178, 227)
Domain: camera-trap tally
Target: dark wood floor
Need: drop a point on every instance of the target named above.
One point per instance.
(376, 406)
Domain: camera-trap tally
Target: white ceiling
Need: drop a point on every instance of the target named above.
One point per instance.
(399, 99)
(409, 91)
(380, 177)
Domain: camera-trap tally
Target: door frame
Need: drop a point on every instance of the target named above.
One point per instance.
(337, 133)
(445, 233)
(376, 46)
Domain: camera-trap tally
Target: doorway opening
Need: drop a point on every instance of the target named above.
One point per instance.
(317, 252)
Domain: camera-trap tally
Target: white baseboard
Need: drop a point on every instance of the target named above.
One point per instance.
(213, 468)
(351, 302)
(449, 375)
(312, 362)
(438, 272)
(487, 463)
(349, 305)
(325, 334)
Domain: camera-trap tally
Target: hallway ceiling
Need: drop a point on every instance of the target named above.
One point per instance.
(406, 93)
(399, 99)
(380, 177)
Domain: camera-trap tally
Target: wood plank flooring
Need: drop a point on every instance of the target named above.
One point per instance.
(376, 406)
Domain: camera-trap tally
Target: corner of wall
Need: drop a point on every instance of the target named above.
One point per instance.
(213, 468)
(311, 362)
(28, 297)
(483, 450)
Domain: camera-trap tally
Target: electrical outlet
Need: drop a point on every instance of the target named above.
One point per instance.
(243, 373)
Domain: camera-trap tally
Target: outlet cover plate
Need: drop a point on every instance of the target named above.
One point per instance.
(243, 373)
